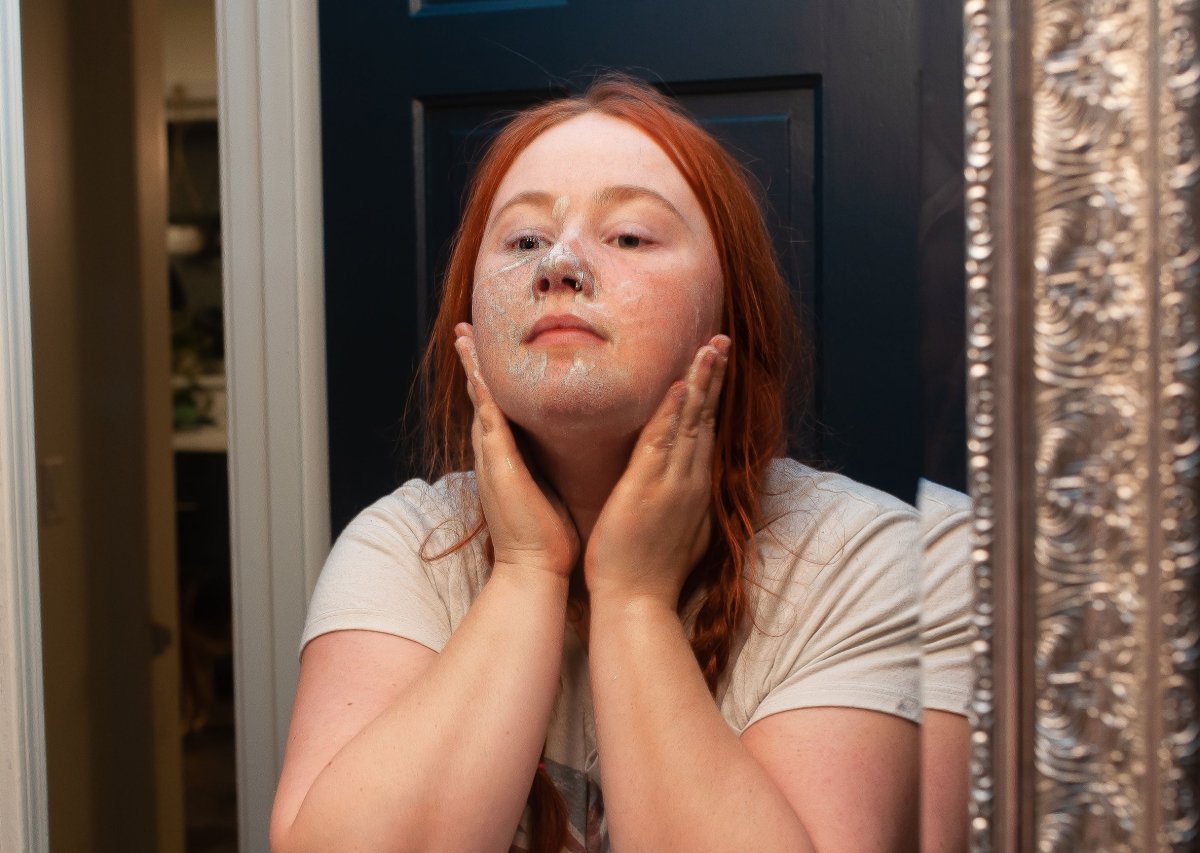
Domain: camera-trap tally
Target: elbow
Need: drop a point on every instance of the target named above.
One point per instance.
(317, 835)
(280, 837)
(283, 834)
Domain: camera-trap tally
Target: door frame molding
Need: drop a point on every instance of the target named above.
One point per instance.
(271, 221)
(24, 816)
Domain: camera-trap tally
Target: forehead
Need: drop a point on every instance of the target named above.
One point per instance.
(590, 152)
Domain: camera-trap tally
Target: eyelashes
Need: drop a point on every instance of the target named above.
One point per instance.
(528, 243)
(525, 243)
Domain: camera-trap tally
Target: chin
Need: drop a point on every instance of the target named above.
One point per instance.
(548, 414)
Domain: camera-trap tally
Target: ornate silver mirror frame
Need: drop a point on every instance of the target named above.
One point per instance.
(1083, 271)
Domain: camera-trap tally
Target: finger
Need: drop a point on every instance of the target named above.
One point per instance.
(712, 400)
(498, 460)
(698, 379)
(658, 436)
(462, 347)
(500, 470)
(481, 394)
(464, 343)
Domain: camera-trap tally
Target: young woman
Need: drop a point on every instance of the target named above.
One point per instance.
(612, 617)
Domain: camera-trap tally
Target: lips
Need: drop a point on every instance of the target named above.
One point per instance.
(563, 327)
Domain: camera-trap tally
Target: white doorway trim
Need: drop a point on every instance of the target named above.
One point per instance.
(271, 220)
(24, 819)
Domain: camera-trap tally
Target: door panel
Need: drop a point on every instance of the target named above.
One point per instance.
(818, 99)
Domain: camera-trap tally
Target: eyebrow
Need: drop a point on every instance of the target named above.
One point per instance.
(534, 198)
(610, 196)
(607, 197)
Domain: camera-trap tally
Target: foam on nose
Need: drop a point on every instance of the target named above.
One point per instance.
(562, 260)
(559, 213)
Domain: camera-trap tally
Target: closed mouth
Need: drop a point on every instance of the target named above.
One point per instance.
(565, 323)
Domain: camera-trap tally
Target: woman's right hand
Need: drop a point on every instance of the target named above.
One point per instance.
(529, 526)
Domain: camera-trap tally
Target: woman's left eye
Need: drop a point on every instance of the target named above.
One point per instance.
(628, 241)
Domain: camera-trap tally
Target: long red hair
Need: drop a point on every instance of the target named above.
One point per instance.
(759, 386)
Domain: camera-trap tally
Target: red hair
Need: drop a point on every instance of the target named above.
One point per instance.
(758, 317)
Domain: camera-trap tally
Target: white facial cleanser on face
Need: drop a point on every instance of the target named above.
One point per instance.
(596, 281)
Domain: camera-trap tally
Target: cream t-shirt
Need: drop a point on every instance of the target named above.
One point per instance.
(833, 603)
(947, 589)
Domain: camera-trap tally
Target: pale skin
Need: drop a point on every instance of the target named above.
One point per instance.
(945, 781)
(396, 747)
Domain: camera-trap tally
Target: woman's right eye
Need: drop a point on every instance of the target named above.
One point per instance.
(527, 243)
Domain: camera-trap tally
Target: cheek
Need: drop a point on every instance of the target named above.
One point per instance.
(496, 298)
(501, 304)
(666, 310)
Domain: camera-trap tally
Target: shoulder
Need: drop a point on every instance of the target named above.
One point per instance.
(442, 512)
(833, 600)
(942, 509)
(816, 516)
(790, 483)
(406, 565)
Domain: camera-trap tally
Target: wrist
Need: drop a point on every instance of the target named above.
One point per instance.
(531, 580)
(644, 589)
(632, 603)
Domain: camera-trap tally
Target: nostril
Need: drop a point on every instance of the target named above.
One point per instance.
(543, 285)
(572, 283)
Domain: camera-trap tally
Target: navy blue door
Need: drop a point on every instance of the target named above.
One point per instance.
(817, 97)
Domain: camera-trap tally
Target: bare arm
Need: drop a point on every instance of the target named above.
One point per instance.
(394, 747)
(676, 776)
(945, 781)
(447, 759)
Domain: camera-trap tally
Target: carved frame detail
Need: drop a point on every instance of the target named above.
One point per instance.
(1083, 291)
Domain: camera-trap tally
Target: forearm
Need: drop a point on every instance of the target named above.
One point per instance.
(675, 775)
(448, 765)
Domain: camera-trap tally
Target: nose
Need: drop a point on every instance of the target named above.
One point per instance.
(561, 269)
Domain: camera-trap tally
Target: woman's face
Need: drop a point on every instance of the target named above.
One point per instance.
(596, 281)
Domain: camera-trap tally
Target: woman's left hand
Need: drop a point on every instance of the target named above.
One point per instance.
(655, 525)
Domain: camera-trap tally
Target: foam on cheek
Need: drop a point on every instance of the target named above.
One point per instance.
(634, 314)
(517, 264)
(497, 289)
(593, 385)
(625, 300)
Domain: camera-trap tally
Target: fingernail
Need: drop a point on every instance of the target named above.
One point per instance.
(722, 345)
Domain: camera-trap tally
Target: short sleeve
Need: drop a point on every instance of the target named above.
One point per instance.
(375, 578)
(838, 620)
(946, 598)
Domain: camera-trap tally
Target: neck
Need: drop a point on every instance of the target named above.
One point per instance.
(583, 471)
